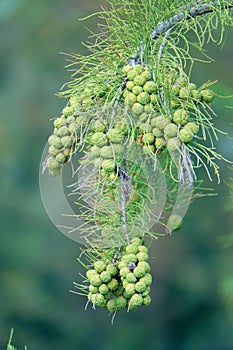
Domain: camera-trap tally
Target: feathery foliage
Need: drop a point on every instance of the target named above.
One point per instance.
(142, 130)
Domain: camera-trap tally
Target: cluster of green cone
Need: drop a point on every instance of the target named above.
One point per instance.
(139, 119)
(105, 134)
(141, 129)
(107, 147)
(159, 131)
(121, 283)
(63, 140)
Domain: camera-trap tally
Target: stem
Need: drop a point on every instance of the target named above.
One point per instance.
(114, 260)
(188, 13)
(10, 338)
(115, 106)
(125, 190)
(133, 60)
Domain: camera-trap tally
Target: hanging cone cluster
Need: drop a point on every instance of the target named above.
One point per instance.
(142, 128)
(121, 283)
(105, 135)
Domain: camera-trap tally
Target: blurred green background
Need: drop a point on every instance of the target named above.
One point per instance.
(38, 264)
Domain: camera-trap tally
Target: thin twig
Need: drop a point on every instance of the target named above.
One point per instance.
(114, 260)
(125, 190)
(188, 13)
(133, 60)
(115, 106)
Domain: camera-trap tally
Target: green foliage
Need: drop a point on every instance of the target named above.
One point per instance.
(133, 90)
(167, 57)
(9, 345)
(126, 27)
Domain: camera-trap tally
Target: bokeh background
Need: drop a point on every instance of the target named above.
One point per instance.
(38, 264)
